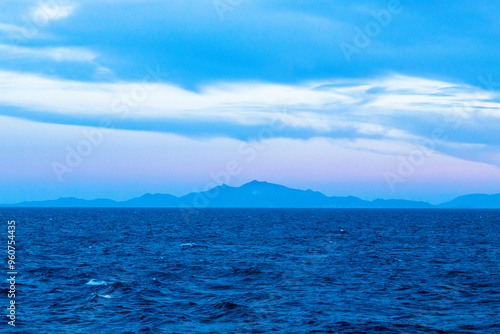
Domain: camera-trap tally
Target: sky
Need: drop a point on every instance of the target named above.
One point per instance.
(376, 99)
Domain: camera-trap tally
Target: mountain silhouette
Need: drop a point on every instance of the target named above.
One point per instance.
(474, 201)
(257, 194)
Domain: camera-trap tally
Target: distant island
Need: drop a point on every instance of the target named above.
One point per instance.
(258, 194)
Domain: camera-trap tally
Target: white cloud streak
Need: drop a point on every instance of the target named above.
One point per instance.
(52, 11)
(11, 29)
(364, 108)
(59, 54)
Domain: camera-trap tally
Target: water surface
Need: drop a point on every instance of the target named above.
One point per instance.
(257, 271)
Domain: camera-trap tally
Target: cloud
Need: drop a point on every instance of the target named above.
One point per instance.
(131, 163)
(11, 29)
(29, 23)
(59, 54)
(52, 11)
(393, 108)
(16, 34)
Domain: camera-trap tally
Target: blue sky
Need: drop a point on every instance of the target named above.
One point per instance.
(410, 110)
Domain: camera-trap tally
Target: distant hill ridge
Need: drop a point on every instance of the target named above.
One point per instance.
(258, 194)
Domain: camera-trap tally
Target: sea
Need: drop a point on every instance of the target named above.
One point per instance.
(253, 271)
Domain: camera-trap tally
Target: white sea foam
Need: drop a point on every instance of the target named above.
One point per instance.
(96, 282)
(189, 244)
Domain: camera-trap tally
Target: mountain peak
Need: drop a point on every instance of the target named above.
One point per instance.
(255, 182)
(262, 194)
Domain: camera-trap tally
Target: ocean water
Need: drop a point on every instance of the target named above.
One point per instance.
(255, 271)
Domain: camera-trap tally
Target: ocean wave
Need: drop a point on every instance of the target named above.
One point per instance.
(97, 282)
(190, 244)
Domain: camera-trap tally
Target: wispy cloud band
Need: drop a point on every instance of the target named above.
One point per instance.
(58, 54)
(395, 107)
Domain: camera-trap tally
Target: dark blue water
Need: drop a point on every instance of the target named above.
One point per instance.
(256, 271)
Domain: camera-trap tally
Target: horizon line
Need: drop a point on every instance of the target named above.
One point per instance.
(235, 187)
